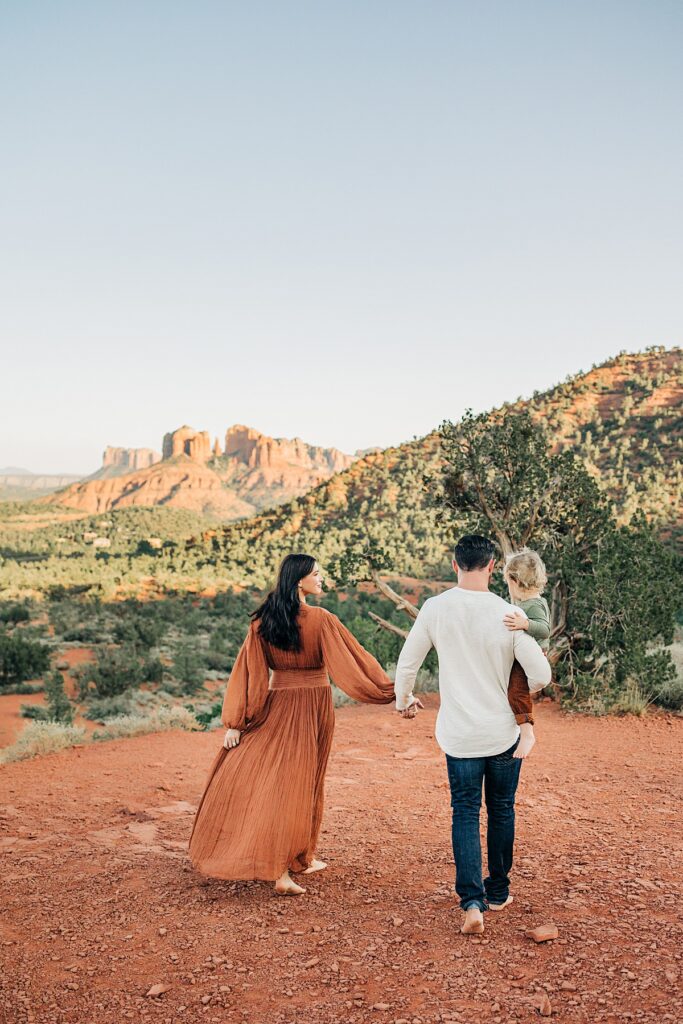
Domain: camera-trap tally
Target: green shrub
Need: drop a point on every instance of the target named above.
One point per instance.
(188, 669)
(153, 670)
(115, 671)
(98, 709)
(83, 634)
(21, 659)
(14, 613)
(42, 738)
(38, 712)
(59, 706)
(24, 688)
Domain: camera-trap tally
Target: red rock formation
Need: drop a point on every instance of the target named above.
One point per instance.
(257, 471)
(187, 441)
(182, 484)
(129, 458)
(258, 451)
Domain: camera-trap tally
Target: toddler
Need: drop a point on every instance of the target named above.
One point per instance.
(526, 578)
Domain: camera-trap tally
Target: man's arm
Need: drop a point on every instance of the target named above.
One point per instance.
(415, 650)
(533, 661)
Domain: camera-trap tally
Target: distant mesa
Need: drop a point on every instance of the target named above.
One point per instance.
(22, 485)
(127, 459)
(249, 473)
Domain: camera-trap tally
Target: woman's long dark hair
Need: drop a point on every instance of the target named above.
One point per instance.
(278, 613)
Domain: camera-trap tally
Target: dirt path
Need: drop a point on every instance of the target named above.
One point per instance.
(100, 904)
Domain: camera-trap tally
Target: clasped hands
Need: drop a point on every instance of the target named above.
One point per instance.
(412, 709)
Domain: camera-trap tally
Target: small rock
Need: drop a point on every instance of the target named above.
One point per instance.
(568, 986)
(312, 962)
(544, 1007)
(162, 931)
(158, 990)
(544, 933)
(206, 1000)
(381, 1006)
(671, 977)
(397, 921)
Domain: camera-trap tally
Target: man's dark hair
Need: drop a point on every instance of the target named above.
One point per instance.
(474, 552)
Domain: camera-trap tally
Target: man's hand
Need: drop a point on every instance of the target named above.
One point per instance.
(232, 738)
(412, 709)
(516, 620)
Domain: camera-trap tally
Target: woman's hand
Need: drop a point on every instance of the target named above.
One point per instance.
(232, 738)
(412, 708)
(516, 620)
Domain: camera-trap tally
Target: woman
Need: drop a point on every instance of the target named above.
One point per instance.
(261, 810)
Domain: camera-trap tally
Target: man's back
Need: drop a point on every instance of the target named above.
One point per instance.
(476, 652)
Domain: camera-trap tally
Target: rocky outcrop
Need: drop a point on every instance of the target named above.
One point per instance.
(187, 441)
(124, 460)
(258, 451)
(254, 471)
(176, 484)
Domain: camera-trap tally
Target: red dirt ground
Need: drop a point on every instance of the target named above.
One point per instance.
(100, 903)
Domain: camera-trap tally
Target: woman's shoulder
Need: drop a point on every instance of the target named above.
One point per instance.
(315, 613)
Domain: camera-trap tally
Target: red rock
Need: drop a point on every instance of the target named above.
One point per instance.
(157, 990)
(544, 1007)
(543, 933)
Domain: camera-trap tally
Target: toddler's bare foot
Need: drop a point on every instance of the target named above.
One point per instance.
(474, 922)
(526, 743)
(285, 886)
(315, 865)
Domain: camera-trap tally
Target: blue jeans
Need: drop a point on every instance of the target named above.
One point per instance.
(500, 775)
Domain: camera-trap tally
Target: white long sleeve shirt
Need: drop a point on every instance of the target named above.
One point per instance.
(476, 651)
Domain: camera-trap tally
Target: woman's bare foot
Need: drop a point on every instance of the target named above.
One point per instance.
(286, 886)
(315, 865)
(474, 922)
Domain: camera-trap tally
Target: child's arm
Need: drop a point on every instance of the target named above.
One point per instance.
(533, 618)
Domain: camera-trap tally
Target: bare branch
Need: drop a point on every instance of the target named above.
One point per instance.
(389, 626)
(401, 603)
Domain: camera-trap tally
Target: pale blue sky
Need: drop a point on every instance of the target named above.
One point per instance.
(345, 221)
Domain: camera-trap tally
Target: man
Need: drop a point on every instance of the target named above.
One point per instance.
(475, 726)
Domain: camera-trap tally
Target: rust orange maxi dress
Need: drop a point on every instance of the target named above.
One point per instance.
(262, 805)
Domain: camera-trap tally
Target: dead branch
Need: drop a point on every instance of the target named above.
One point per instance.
(389, 626)
(401, 603)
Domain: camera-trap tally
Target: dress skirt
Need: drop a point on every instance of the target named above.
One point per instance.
(262, 806)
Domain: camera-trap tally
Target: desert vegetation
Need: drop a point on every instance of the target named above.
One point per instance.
(589, 473)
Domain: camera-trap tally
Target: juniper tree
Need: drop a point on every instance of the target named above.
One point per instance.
(59, 707)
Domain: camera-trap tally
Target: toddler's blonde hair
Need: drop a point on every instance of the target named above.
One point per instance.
(526, 569)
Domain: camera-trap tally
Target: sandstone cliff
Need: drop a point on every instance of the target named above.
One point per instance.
(253, 472)
(127, 459)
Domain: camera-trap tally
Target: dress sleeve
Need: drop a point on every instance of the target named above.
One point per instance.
(247, 690)
(352, 669)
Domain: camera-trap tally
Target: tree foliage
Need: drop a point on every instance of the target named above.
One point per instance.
(614, 589)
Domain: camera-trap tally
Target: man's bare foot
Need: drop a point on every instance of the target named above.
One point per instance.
(315, 865)
(286, 886)
(474, 922)
(501, 906)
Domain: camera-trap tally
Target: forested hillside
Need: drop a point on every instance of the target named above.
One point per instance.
(622, 417)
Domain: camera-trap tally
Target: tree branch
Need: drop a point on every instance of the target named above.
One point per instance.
(389, 626)
(400, 602)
